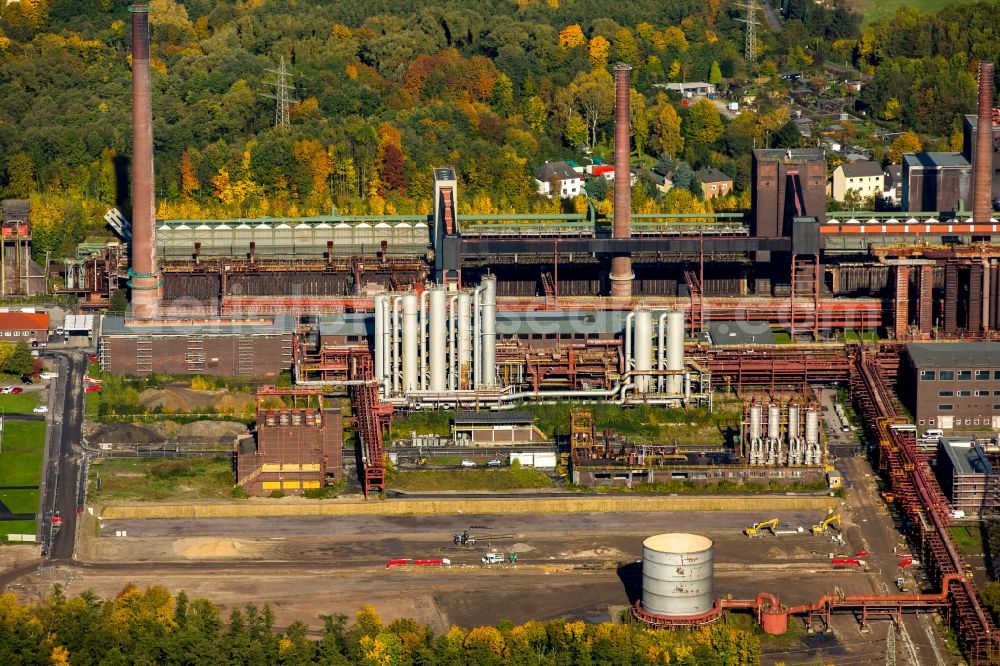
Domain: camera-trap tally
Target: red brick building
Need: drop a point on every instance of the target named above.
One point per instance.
(27, 326)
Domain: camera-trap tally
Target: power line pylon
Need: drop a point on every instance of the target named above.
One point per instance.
(281, 94)
(751, 46)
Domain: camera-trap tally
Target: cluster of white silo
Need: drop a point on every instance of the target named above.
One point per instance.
(436, 343)
(768, 443)
(669, 377)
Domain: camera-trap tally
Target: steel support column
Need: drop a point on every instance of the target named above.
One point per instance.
(951, 298)
(975, 316)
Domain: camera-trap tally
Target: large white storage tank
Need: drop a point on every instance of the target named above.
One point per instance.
(677, 573)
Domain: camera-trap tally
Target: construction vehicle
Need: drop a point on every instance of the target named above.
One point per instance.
(901, 584)
(493, 558)
(758, 528)
(464, 539)
(825, 525)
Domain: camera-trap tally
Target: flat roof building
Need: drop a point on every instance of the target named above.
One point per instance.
(953, 385)
(936, 182)
(966, 476)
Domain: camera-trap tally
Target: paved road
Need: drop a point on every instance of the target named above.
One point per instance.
(60, 491)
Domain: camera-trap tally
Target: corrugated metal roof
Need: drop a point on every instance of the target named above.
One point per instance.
(955, 354)
(493, 418)
(79, 323)
(966, 458)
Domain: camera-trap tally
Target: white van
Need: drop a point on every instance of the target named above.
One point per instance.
(933, 434)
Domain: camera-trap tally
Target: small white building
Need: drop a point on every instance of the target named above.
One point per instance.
(561, 176)
(689, 89)
(863, 176)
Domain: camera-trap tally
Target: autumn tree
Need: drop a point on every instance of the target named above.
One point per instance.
(665, 129)
(571, 37)
(702, 124)
(599, 51)
(907, 142)
(639, 119)
(20, 176)
(189, 178)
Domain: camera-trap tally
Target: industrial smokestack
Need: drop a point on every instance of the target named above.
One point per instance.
(145, 276)
(982, 170)
(621, 263)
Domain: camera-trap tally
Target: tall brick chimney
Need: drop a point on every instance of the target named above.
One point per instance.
(982, 170)
(621, 263)
(145, 277)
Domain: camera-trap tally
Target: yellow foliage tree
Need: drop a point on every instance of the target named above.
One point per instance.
(488, 637)
(598, 49)
(189, 180)
(907, 142)
(571, 37)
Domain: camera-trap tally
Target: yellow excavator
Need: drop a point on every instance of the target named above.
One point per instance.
(758, 528)
(825, 525)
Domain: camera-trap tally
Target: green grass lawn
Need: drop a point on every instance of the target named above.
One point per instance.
(197, 478)
(873, 10)
(22, 452)
(91, 404)
(16, 527)
(470, 479)
(19, 403)
(20, 501)
(967, 538)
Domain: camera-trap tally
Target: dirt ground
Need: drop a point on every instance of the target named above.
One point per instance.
(201, 433)
(183, 399)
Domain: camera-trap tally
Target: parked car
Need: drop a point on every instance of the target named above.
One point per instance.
(49, 375)
(93, 359)
(494, 463)
(41, 409)
(93, 388)
(7, 389)
(468, 463)
(25, 379)
(16, 389)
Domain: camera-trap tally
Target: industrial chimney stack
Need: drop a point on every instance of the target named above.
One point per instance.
(982, 170)
(621, 263)
(145, 277)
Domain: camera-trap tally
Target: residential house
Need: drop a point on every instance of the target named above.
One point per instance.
(31, 327)
(892, 189)
(558, 178)
(662, 181)
(863, 176)
(714, 183)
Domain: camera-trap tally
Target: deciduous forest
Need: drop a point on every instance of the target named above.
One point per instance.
(152, 627)
(382, 91)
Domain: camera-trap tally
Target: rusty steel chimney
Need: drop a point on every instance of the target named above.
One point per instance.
(621, 262)
(982, 170)
(145, 277)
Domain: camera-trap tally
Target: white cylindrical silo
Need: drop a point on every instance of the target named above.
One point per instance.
(380, 303)
(437, 338)
(675, 350)
(677, 574)
(773, 421)
(464, 339)
(411, 342)
(488, 323)
(793, 421)
(643, 348)
(756, 416)
(812, 425)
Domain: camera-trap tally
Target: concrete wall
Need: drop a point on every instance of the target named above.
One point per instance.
(351, 507)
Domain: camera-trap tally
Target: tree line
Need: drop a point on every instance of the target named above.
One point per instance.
(151, 626)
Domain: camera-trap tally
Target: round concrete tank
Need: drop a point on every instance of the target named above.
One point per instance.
(793, 421)
(643, 348)
(675, 350)
(773, 421)
(437, 338)
(812, 426)
(411, 342)
(756, 416)
(677, 574)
